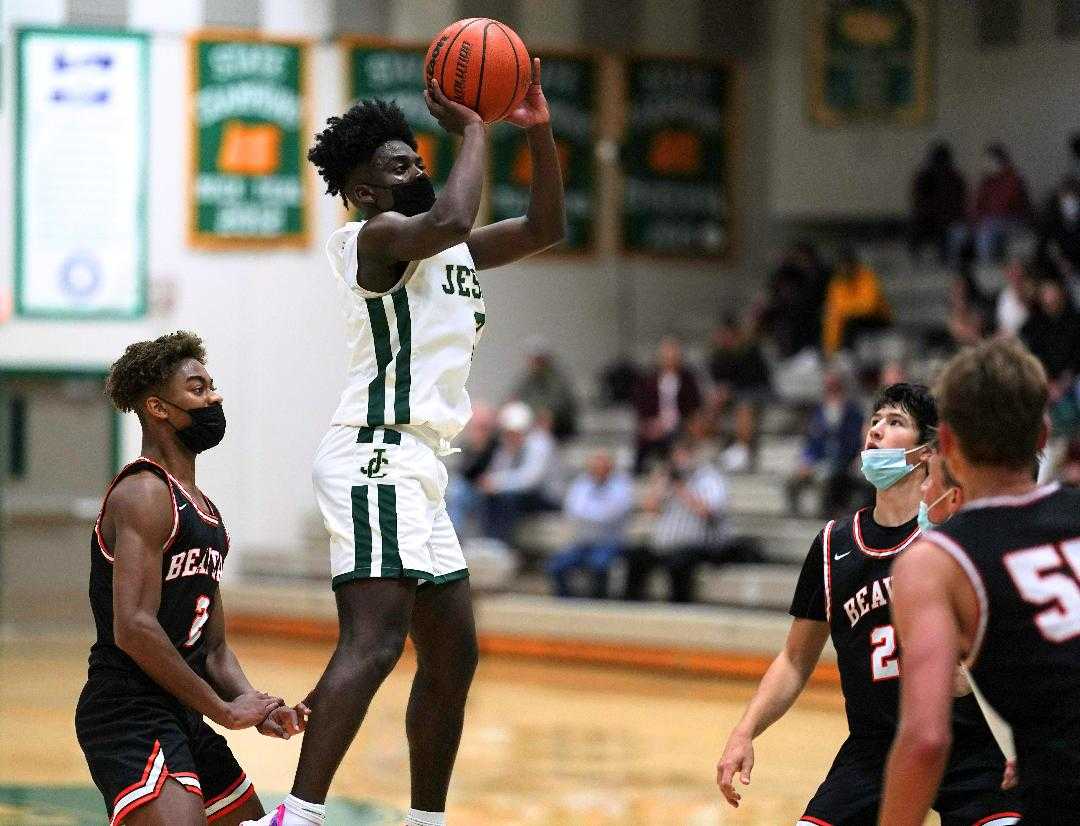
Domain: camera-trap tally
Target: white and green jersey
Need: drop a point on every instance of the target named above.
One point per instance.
(410, 349)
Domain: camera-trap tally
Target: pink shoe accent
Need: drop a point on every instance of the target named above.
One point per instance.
(279, 816)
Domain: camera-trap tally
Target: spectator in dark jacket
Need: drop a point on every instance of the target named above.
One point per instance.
(939, 204)
(544, 386)
(1059, 238)
(1001, 204)
(1052, 333)
(665, 398)
(834, 438)
(789, 314)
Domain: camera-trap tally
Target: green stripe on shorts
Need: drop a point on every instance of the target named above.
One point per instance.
(361, 529)
(403, 364)
(388, 527)
(366, 436)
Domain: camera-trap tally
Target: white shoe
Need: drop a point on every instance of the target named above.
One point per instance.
(275, 818)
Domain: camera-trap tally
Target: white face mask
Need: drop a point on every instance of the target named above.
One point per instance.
(925, 523)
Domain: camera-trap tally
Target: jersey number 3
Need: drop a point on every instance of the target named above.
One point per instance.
(202, 614)
(884, 663)
(1038, 576)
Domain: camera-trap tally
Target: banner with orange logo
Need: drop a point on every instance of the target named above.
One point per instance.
(675, 157)
(570, 84)
(248, 170)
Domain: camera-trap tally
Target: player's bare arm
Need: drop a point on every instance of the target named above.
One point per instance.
(140, 516)
(777, 692)
(544, 224)
(224, 673)
(389, 237)
(931, 640)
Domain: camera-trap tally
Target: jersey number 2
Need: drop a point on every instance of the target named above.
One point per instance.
(884, 663)
(1038, 577)
(202, 614)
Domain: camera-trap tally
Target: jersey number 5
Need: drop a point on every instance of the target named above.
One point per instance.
(202, 614)
(884, 663)
(1038, 576)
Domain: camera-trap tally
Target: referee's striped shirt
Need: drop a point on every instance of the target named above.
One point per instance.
(678, 526)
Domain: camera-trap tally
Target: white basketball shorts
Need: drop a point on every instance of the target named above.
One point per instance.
(381, 492)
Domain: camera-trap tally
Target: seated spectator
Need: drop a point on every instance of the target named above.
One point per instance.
(834, 439)
(522, 476)
(854, 304)
(665, 398)
(1001, 204)
(1014, 302)
(478, 442)
(939, 205)
(789, 314)
(968, 320)
(1058, 252)
(689, 499)
(544, 386)
(619, 381)
(599, 503)
(737, 362)
(1052, 333)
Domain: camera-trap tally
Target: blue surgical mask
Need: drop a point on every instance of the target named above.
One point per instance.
(925, 523)
(883, 467)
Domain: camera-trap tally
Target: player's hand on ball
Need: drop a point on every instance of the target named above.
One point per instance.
(249, 709)
(285, 721)
(453, 117)
(533, 110)
(738, 757)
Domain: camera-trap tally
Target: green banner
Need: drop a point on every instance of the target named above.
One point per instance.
(675, 156)
(249, 187)
(569, 86)
(392, 72)
(870, 61)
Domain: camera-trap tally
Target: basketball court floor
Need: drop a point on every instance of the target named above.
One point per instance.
(545, 743)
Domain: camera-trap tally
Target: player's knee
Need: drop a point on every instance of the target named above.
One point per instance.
(385, 653)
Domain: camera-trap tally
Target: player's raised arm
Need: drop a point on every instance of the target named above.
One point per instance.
(392, 235)
(141, 510)
(777, 692)
(544, 224)
(930, 641)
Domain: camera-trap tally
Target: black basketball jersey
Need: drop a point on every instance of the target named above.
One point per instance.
(847, 582)
(191, 563)
(1022, 556)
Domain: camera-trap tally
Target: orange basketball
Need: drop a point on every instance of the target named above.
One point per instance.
(481, 63)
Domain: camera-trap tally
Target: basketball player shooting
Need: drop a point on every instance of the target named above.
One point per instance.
(415, 311)
(161, 662)
(999, 585)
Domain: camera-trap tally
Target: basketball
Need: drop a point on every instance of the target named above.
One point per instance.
(480, 63)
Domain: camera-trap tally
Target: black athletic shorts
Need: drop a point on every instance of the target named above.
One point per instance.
(134, 739)
(970, 792)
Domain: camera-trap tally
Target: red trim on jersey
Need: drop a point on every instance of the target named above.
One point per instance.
(877, 553)
(826, 542)
(206, 517)
(810, 819)
(194, 788)
(960, 556)
(1013, 501)
(991, 818)
(228, 790)
(116, 480)
(236, 804)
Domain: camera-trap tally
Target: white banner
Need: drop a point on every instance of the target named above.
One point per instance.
(82, 123)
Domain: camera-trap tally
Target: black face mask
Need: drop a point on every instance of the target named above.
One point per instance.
(413, 198)
(206, 430)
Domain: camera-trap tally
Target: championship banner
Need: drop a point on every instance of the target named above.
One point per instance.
(569, 85)
(249, 131)
(81, 126)
(869, 62)
(676, 155)
(393, 72)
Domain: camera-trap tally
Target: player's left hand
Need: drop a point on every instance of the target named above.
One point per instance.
(1010, 779)
(283, 722)
(533, 110)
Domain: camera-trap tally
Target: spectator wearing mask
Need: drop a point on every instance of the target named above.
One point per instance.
(665, 398)
(1013, 306)
(1059, 240)
(834, 439)
(1001, 204)
(789, 314)
(688, 497)
(599, 503)
(478, 442)
(544, 386)
(854, 304)
(522, 476)
(939, 205)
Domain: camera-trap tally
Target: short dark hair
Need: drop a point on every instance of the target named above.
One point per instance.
(993, 397)
(147, 365)
(915, 400)
(350, 140)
